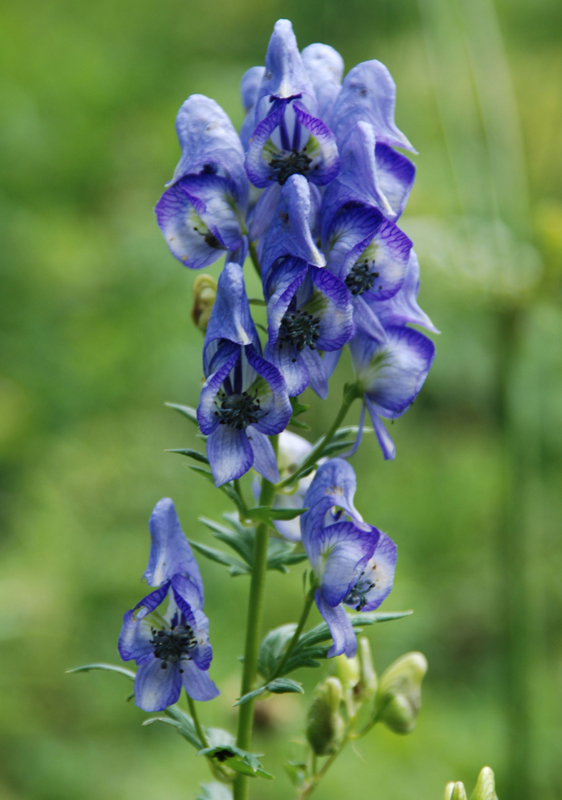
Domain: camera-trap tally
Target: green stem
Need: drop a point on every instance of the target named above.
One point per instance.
(253, 630)
(313, 782)
(254, 256)
(351, 392)
(309, 599)
(198, 726)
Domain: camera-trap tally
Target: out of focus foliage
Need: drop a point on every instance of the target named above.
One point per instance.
(95, 317)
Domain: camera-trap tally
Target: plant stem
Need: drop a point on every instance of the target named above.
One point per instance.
(255, 614)
(313, 782)
(254, 256)
(309, 599)
(198, 726)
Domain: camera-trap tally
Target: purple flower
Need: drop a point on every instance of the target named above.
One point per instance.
(353, 562)
(202, 211)
(289, 138)
(244, 399)
(171, 649)
(324, 68)
(309, 309)
(292, 450)
(391, 372)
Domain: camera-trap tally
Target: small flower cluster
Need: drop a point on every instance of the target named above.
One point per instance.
(312, 189)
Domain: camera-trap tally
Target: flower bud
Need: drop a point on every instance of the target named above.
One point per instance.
(398, 698)
(324, 723)
(455, 791)
(485, 788)
(204, 292)
(368, 682)
(348, 671)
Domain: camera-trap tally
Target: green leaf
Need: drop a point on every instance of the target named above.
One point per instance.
(214, 791)
(186, 451)
(256, 301)
(232, 494)
(106, 667)
(186, 411)
(267, 514)
(186, 727)
(241, 539)
(296, 423)
(277, 686)
(298, 408)
(280, 554)
(273, 647)
(202, 471)
(237, 759)
(297, 772)
(236, 567)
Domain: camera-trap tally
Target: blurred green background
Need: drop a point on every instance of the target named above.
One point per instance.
(97, 336)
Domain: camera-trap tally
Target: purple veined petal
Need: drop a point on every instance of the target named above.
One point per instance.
(369, 94)
(170, 553)
(380, 572)
(331, 303)
(271, 390)
(197, 683)
(318, 380)
(334, 485)
(392, 372)
(292, 367)
(340, 626)
(206, 417)
(283, 282)
(330, 360)
(249, 89)
(258, 156)
(189, 589)
(345, 550)
(366, 317)
(320, 148)
(383, 436)
(324, 67)
(355, 447)
(285, 76)
(230, 454)
(213, 199)
(265, 461)
(290, 233)
(151, 601)
(190, 240)
(202, 653)
(264, 210)
(396, 175)
(403, 308)
(230, 318)
(210, 144)
(349, 230)
(240, 253)
(157, 688)
(134, 639)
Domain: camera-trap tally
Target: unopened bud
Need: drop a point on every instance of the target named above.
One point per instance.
(368, 682)
(485, 788)
(455, 791)
(348, 671)
(324, 723)
(398, 698)
(204, 293)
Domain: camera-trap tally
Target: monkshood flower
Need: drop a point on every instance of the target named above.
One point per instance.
(403, 308)
(309, 309)
(371, 173)
(324, 67)
(202, 212)
(244, 398)
(370, 255)
(391, 372)
(171, 649)
(353, 562)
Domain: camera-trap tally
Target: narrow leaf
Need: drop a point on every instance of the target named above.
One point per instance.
(220, 557)
(284, 685)
(186, 451)
(186, 411)
(106, 667)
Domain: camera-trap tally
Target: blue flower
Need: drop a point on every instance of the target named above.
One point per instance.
(353, 562)
(324, 68)
(370, 255)
(309, 309)
(202, 212)
(292, 450)
(172, 648)
(244, 398)
(391, 371)
(289, 138)
(403, 308)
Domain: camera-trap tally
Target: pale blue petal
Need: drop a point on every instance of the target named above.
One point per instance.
(383, 437)
(157, 688)
(403, 307)
(316, 371)
(324, 67)
(134, 639)
(265, 461)
(170, 553)
(197, 683)
(340, 626)
(230, 454)
(345, 550)
(380, 572)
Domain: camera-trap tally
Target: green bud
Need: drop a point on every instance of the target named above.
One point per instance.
(485, 788)
(368, 682)
(455, 791)
(204, 293)
(324, 723)
(398, 698)
(348, 671)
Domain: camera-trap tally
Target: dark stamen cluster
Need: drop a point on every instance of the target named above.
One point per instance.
(172, 645)
(286, 164)
(238, 410)
(360, 278)
(299, 329)
(357, 595)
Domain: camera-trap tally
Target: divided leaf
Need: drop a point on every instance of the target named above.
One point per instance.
(277, 686)
(128, 673)
(185, 411)
(239, 760)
